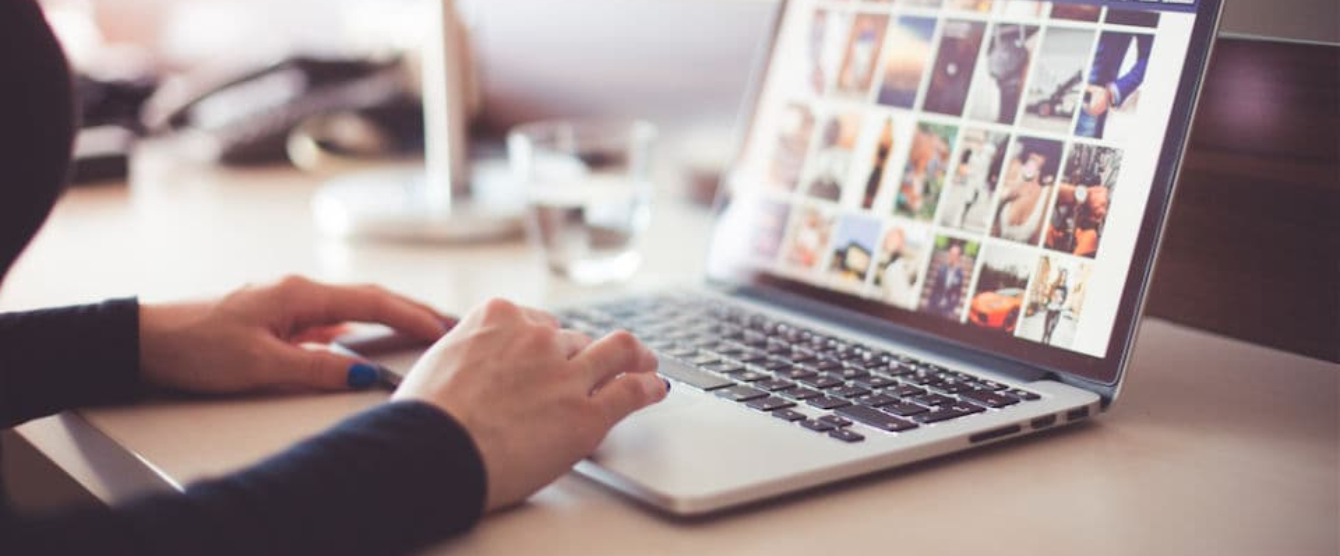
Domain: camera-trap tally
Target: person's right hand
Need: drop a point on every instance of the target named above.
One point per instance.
(535, 398)
(1099, 100)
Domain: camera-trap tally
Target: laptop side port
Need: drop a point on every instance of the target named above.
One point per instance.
(1043, 422)
(1077, 414)
(994, 434)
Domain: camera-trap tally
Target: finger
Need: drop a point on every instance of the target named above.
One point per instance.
(310, 303)
(573, 342)
(628, 393)
(618, 352)
(448, 321)
(539, 317)
(318, 368)
(319, 334)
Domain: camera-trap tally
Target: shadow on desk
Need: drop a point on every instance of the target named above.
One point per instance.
(1252, 241)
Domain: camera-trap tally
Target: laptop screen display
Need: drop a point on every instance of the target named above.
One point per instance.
(979, 170)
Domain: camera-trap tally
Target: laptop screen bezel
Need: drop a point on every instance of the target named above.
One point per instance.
(1100, 371)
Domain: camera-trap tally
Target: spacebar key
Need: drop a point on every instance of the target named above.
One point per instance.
(691, 376)
(875, 418)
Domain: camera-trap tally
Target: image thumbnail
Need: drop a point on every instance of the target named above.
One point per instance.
(827, 31)
(999, 83)
(998, 300)
(919, 3)
(1076, 12)
(1055, 301)
(1082, 200)
(1026, 189)
(1022, 9)
(948, 276)
(1055, 90)
(953, 69)
(978, 6)
(966, 201)
(769, 227)
(909, 52)
(899, 271)
(878, 164)
(862, 52)
(810, 230)
(794, 128)
(854, 249)
(1113, 88)
(924, 175)
(831, 162)
(1134, 18)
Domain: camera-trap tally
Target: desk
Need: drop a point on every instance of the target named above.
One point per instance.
(1216, 447)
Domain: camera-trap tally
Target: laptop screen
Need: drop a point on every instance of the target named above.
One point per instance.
(983, 171)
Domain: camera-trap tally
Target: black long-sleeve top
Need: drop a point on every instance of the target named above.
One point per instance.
(387, 481)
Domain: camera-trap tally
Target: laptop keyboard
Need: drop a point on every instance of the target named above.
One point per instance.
(821, 383)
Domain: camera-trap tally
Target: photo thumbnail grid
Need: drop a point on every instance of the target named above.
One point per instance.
(954, 157)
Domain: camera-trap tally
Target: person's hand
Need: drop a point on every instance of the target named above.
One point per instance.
(1096, 201)
(535, 398)
(253, 339)
(1099, 100)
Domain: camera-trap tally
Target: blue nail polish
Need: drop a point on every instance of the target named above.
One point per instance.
(362, 375)
(667, 384)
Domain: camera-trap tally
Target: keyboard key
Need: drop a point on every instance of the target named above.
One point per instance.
(749, 376)
(903, 409)
(770, 403)
(741, 393)
(1024, 394)
(796, 373)
(817, 425)
(835, 420)
(933, 399)
(723, 367)
(945, 413)
(789, 415)
(991, 385)
(692, 377)
(826, 365)
(846, 435)
(874, 400)
(821, 381)
(800, 394)
(876, 382)
(701, 359)
(849, 392)
(954, 386)
(773, 365)
(851, 373)
(876, 418)
(826, 402)
(990, 399)
(774, 384)
(905, 391)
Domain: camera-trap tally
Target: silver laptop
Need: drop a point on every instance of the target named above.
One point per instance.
(937, 235)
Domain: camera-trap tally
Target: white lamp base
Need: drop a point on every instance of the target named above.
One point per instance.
(392, 204)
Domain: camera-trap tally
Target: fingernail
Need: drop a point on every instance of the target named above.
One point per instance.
(667, 384)
(361, 375)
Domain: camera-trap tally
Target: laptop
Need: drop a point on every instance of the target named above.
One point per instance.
(937, 234)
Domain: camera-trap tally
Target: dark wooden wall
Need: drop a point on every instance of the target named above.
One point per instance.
(1252, 248)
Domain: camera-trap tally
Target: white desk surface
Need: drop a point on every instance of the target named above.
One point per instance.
(1215, 447)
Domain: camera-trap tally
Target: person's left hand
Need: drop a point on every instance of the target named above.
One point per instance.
(253, 339)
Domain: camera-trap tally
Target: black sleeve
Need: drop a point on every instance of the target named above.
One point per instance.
(389, 481)
(56, 359)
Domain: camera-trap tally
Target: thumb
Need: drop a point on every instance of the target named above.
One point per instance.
(322, 369)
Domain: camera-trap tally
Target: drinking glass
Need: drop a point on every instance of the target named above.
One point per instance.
(588, 191)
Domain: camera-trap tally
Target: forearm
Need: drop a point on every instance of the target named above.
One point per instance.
(55, 359)
(388, 481)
